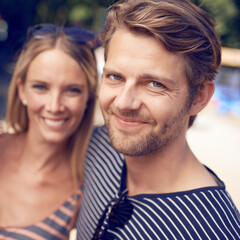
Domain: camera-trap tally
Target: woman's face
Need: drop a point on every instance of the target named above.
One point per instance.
(56, 94)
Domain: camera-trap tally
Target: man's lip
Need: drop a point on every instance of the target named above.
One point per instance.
(128, 120)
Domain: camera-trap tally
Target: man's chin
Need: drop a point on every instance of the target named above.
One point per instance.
(129, 147)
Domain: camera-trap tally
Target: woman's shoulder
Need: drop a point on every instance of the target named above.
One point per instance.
(4, 135)
(8, 144)
(3, 127)
(5, 139)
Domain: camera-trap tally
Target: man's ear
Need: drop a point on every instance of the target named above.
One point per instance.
(202, 97)
(20, 88)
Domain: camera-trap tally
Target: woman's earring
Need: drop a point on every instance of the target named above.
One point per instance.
(24, 102)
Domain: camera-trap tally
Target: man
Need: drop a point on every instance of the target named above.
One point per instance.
(161, 60)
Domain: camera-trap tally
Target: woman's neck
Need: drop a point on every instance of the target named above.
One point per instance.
(39, 156)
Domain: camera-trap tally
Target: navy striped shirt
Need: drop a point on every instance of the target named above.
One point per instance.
(205, 213)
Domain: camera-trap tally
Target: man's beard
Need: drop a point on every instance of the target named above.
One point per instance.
(146, 143)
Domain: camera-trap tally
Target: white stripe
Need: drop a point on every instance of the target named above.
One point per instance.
(95, 179)
(94, 190)
(140, 226)
(96, 169)
(93, 214)
(82, 228)
(164, 203)
(180, 210)
(144, 220)
(110, 151)
(151, 201)
(90, 216)
(189, 210)
(209, 212)
(201, 215)
(105, 147)
(134, 227)
(118, 157)
(228, 199)
(218, 212)
(90, 224)
(102, 165)
(115, 234)
(125, 233)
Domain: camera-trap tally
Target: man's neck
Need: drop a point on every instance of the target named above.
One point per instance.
(165, 172)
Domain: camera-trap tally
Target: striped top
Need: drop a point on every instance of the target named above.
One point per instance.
(55, 227)
(205, 213)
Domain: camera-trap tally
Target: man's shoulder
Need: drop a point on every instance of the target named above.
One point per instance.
(102, 174)
(100, 133)
(100, 149)
(210, 209)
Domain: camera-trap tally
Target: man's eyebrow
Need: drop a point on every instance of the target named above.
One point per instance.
(106, 69)
(145, 76)
(155, 77)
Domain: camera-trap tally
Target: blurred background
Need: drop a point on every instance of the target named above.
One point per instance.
(215, 137)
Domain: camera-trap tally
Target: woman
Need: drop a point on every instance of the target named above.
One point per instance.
(50, 111)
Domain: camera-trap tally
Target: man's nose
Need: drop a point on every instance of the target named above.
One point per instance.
(128, 97)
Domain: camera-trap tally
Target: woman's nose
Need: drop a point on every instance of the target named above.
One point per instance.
(55, 103)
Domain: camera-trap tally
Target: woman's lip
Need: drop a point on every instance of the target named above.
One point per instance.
(56, 123)
(55, 119)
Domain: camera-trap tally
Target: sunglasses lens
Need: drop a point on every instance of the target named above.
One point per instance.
(79, 35)
(41, 30)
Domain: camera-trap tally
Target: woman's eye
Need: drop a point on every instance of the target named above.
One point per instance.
(114, 77)
(39, 87)
(74, 90)
(156, 84)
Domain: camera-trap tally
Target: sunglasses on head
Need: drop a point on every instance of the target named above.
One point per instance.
(79, 35)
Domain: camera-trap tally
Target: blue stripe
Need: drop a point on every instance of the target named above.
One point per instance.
(63, 216)
(69, 205)
(42, 233)
(57, 227)
(14, 235)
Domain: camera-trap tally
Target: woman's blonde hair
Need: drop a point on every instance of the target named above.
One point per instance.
(83, 54)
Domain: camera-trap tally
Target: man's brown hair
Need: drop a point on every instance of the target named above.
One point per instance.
(182, 28)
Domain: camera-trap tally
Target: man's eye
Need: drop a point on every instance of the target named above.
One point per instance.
(156, 84)
(114, 77)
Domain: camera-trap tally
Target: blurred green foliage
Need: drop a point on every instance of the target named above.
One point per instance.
(86, 13)
(90, 14)
(227, 16)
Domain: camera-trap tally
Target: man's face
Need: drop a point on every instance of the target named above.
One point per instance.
(144, 95)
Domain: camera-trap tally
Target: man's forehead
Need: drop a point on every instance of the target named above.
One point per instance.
(143, 56)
